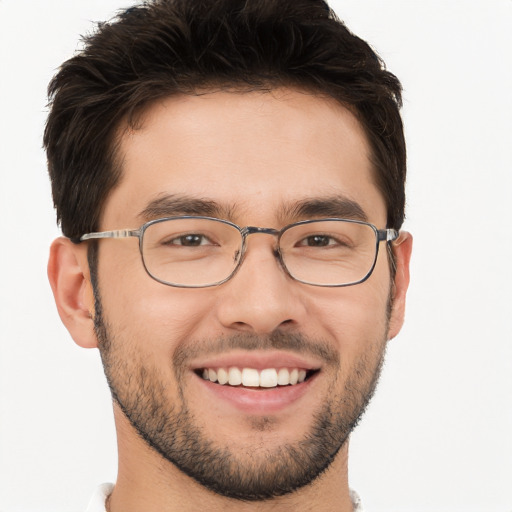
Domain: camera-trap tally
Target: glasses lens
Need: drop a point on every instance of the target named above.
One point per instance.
(330, 252)
(191, 252)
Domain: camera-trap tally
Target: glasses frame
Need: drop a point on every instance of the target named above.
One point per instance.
(387, 235)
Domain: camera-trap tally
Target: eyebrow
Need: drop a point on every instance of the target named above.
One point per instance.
(336, 206)
(176, 205)
(317, 207)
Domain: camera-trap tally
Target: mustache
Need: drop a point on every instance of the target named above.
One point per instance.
(277, 340)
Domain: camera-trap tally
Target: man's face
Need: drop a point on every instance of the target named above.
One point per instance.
(252, 158)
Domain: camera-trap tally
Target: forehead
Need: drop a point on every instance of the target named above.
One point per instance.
(252, 153)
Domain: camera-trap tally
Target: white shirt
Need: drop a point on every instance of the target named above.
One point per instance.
(97, 503)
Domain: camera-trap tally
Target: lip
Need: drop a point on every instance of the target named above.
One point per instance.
(256, 401)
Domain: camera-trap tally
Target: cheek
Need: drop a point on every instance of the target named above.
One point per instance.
(357, 317)
(151, 315)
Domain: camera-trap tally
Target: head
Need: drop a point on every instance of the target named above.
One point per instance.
(260, 113)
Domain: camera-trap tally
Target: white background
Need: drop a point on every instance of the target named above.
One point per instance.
(437, 436)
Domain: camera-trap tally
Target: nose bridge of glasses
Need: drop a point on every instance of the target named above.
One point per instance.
(250, 230)
(255, 230)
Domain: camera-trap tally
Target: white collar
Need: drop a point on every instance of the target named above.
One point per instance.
(97, 503)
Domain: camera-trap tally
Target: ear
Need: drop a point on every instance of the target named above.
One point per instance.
(402, 249)
(68, 272)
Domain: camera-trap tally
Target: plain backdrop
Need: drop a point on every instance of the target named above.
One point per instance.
(437, 436)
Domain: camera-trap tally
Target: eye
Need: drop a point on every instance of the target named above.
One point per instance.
(189, 240)
(318, 241)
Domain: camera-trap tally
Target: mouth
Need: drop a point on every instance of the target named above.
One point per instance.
(253, 378)
(257, 382)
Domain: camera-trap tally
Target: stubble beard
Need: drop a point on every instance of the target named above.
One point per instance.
(258, 473)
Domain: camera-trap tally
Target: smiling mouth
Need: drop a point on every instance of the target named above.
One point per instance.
(253, 378)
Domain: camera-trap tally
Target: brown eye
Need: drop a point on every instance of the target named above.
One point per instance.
(317, 241)
(189, 240)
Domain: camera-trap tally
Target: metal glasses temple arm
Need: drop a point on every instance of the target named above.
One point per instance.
(387, 235)
(121, 233)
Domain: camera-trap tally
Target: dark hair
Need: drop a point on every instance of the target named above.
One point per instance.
(168, 47)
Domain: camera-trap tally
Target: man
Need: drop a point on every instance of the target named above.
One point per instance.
(229, 177)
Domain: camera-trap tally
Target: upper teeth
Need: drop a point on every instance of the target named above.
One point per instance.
(267, 378)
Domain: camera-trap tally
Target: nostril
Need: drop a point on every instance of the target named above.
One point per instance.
(286, 323)
(242, 326)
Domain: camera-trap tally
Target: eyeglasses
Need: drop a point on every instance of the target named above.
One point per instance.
(197, 252)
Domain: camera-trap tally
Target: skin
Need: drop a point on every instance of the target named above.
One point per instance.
(254, 154)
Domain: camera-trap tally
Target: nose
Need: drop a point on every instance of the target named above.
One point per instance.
(260, 297)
